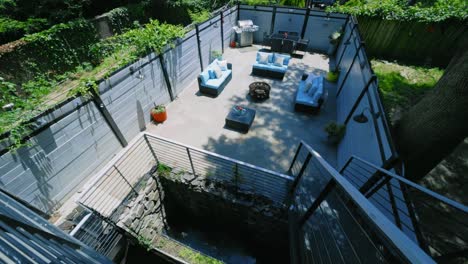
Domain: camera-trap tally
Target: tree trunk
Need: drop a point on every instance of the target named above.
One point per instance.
(438, 123)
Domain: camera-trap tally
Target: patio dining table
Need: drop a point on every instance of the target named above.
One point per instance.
(287, 43)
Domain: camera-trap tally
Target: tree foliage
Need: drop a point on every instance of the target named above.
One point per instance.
(438, 10)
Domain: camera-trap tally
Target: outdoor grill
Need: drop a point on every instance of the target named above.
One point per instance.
(244, 31)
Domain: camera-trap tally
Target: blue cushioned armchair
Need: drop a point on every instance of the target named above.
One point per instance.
(310, 99)
(214, 86)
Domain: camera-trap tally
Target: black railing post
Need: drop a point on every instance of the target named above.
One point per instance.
(151, 149)
(222, 30)
(273, 18)
(328, 188)
(350, 67)
(238, 10)
(295, 157)
(306, 20)
(107, 117)
(191, 161)
(197, 29)
(299, 175)
(125, 179)
(346, 43)
(166, 77)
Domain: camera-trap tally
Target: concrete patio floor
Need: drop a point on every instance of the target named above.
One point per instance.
(198, 120)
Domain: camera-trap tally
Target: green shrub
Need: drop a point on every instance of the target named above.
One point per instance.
(119, 19)
(335, 130)
(332, 76)
(53, 51)
(440, 10)
(199, 16)
(11, 29)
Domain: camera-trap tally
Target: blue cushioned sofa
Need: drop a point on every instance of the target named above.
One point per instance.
(310, 101)
(270, 69)
(213, 86)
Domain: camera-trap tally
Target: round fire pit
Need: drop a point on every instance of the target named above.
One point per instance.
(259, 91)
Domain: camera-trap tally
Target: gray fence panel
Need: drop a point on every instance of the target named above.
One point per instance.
(45, 173)
(261, 16)
(230, 20)
(350, 92)
(341, 48)
(291, 20)
(131, 100)
(210, 38)
(183, 64)
(319, 29)
(360, 140)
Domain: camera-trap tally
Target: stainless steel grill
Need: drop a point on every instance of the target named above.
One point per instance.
(244, 31)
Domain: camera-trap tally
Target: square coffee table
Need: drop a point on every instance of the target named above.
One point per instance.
(240, 120)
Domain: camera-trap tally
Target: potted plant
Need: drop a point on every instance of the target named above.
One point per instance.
(216, 54)
(335, 38)
(159, 113)
(335, 132)
(332, 76)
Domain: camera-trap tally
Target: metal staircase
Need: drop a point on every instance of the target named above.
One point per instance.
(369, 215)
(26, 237)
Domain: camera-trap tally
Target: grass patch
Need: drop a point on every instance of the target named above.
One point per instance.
(403, 86)
(197, 258)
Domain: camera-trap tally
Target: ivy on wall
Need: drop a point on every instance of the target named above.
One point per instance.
(47, 55)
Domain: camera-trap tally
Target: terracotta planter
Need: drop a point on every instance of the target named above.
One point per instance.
(159, 117)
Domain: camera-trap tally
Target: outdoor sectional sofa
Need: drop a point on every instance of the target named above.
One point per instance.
(269, 68)
(214, 86)
(310, 99)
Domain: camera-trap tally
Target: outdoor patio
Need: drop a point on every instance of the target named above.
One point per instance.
(272, 140)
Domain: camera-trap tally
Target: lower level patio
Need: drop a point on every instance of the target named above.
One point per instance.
(199, 121)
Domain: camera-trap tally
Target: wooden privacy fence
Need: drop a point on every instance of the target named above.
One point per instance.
(413, 42)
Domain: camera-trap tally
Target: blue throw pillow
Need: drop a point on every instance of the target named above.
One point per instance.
(211, 74)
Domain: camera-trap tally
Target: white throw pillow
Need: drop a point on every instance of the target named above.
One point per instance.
(278, 61)
(223, 65)
(218, 72)
(263, 58)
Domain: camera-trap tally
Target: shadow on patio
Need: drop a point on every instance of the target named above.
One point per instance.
(198, 120)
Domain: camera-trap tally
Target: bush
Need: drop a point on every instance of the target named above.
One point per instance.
(200, 16)
(11, 29)
(400, 10)
(119, 19)
(52, 51)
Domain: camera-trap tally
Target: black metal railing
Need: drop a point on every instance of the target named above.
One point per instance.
(332, 222)
(438, 224)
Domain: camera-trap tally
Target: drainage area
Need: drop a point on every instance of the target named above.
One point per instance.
(204, 221)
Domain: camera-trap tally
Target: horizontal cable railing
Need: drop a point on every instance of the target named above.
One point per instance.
(213, 167)
(332, 222)
(119, 180)
(439, 224)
